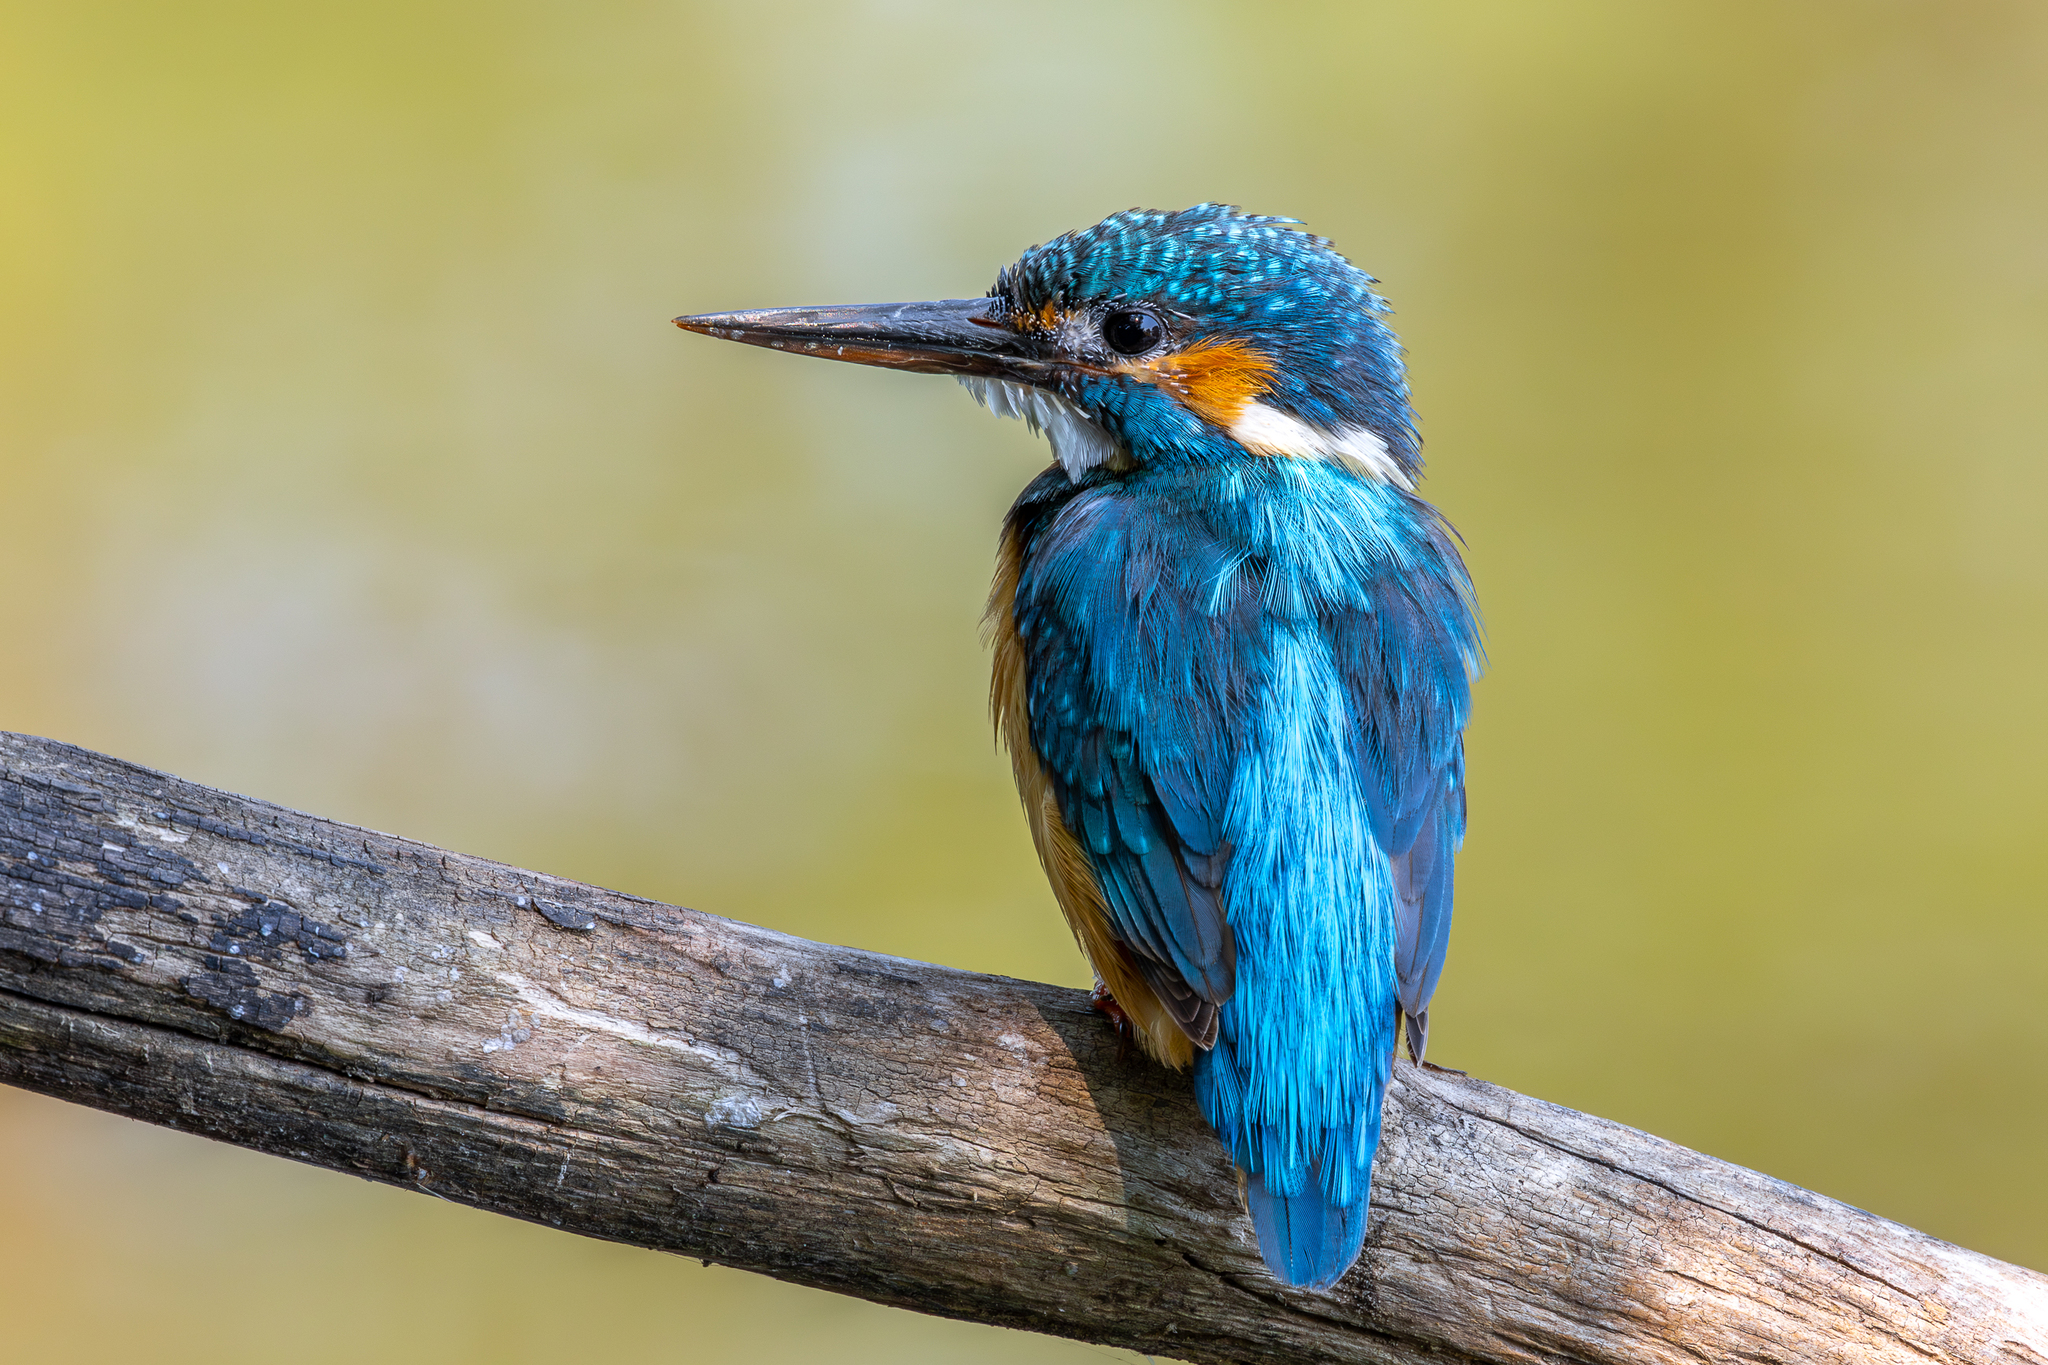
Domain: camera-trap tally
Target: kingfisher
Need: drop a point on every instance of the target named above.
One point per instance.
(1233, 657)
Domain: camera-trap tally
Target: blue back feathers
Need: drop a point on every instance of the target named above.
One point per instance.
(1247, 677)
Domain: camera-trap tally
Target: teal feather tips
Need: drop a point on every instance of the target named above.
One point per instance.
(1214, 258)
(1213, 272)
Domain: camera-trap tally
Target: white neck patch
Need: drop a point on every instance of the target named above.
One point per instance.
(1269, 431)
(1077, 443)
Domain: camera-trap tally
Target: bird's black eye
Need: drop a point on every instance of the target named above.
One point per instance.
(1131, 332)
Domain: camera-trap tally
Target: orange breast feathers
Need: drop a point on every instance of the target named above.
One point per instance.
(1066, 864)
(1215, 380)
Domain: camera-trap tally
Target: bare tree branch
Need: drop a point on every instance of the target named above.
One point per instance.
(964, 1145)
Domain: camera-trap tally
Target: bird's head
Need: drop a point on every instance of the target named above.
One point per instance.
(1192, 337)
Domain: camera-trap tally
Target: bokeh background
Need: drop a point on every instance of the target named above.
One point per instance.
(349, 461)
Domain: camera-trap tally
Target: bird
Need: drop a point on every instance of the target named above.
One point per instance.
(1233, 660)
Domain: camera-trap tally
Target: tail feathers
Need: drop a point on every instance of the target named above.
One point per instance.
(1417, 1030)
(1305, 1239)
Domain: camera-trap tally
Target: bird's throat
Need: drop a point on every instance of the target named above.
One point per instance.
(1078, 442)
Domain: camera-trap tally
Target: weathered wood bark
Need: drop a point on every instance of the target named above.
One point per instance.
(960, 1144)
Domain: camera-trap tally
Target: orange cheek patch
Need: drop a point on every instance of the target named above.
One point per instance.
(1212, 379)
(1043, 322)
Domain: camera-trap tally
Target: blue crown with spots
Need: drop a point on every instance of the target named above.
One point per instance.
(1224, 274)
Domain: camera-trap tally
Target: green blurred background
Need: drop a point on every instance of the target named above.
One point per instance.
(349, 461)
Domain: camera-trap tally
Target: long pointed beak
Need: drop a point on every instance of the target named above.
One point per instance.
(949, 336)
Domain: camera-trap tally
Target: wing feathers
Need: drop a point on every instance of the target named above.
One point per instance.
(1125, 678)
(1422, 887)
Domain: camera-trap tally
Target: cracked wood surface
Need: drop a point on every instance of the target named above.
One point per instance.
(960, 1144)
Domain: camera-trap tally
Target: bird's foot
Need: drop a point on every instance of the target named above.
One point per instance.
(1441, 1070)
(1104, 1004)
